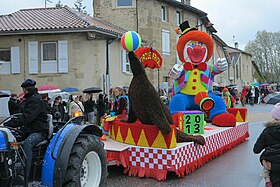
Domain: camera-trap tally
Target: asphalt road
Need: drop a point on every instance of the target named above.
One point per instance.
(238, 167)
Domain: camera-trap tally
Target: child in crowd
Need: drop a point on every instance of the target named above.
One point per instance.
(228, 98)
(120, 103)
(269, 140)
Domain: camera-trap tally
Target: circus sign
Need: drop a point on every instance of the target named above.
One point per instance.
(149, 57)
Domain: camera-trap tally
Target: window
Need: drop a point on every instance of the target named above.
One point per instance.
(5, 60)
(165, 78)
(9, 60)
(178, 17)
(125, 63)
(54, 57)
(124, 2)
(49, 57)
(49, 51)
(5, 55)
(165, 34)
(163, 13)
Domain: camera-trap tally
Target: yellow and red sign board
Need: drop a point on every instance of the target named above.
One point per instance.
(149, 57)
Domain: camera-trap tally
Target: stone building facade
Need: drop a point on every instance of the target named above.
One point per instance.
(155, 21)
(240, 66)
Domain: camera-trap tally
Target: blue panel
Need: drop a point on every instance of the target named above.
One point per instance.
(3, 145)
(51, 154)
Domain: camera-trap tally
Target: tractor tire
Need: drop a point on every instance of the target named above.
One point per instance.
(87, 165)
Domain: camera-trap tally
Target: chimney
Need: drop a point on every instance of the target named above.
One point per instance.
(187, 2)
(236, 45)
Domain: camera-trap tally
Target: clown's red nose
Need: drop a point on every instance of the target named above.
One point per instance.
(197, 49)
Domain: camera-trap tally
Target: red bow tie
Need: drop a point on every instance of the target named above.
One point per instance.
(201, 66)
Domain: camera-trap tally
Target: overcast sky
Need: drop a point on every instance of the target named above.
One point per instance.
(9, 6)
(239, 18)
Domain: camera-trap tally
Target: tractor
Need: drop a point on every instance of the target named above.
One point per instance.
(71, 156)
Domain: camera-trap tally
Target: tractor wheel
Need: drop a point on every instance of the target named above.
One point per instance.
(87, 165)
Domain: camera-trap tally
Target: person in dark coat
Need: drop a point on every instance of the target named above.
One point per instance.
(33, 121)
(47, 103)
(58, 111)
(257, 95)
(101, 107)
(13, 104)
(89, 106)
(269, 141)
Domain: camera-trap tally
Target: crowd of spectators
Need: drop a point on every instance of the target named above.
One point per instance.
(94, 106)
(247, 95)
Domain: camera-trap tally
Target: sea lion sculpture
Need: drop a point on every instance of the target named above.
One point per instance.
(146, 105)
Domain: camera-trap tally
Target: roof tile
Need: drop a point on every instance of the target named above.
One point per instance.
(53, 19)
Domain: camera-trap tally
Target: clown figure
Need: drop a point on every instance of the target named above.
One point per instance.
(194, 77)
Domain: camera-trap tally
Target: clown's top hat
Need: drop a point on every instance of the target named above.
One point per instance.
(185, 27)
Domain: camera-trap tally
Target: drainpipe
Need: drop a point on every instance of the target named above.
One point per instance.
(24, 60)
(158, 83)
(137, 18)
(108, 42)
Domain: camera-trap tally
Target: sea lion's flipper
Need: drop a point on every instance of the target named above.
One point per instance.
(182, 137)
(167, 114)
(131, 116)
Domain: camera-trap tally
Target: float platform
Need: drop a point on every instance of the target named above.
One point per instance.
(183, 159)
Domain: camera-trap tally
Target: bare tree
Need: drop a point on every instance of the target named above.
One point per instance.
(79, 7)
(265, 50)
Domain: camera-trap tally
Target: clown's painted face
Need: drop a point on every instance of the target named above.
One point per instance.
(195, 51)
(195, 47)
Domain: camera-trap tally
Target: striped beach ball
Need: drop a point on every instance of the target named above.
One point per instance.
(131, 41)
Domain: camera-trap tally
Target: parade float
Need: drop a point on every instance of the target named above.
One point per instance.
(155, 139)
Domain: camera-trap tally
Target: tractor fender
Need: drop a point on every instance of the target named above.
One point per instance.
(58, 152)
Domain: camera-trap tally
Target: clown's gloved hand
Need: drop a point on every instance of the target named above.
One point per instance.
(176, 70)
(222, 64)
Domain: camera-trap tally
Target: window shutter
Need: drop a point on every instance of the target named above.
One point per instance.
(165, 34)
(33, 57)
(123, 61)
(163, 41)
(167, 38)
(177, 59)
(15, 59)
(63, 56)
